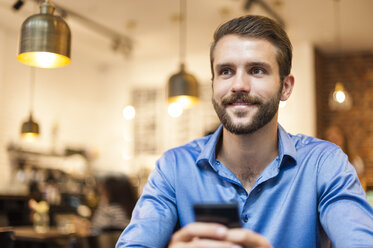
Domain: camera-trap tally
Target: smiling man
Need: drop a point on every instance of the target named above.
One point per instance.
(247, 90)
(291, 191)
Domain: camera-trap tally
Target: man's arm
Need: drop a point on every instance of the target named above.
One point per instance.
(155, 216)
(345, 214)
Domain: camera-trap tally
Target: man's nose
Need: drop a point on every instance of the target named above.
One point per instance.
(241, 83)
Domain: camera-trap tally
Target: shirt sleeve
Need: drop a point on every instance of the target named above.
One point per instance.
(345, 214)
(155, 216)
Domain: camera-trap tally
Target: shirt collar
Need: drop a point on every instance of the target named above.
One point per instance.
(286, 148)
(207, 155)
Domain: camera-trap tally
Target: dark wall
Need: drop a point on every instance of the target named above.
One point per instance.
(356, 73)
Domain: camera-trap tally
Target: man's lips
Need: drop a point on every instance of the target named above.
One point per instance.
(240, 104)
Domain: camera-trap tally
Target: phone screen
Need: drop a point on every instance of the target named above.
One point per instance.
(222, 213)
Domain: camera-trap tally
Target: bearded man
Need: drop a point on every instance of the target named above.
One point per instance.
(291, 191)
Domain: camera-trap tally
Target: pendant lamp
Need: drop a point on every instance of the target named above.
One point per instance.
(182, 86)
(339, 98)
(45, 39)
(30, 129)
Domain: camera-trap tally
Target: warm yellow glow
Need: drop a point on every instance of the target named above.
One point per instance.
(43, 59)
(340, 99)
(29, 136)
(184, 100)
(129, 112)
(175, 109)
(340, 96)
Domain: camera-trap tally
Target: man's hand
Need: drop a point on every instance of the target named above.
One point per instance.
(216, 236)
(246, 238)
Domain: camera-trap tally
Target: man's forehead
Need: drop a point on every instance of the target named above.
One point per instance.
(235, 38)
(233, 46)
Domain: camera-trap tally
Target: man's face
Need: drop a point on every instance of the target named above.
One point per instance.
(246, 85)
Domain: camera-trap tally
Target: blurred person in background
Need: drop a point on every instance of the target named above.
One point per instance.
(117, 199)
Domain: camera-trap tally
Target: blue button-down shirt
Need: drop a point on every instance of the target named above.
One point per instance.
(308, 193)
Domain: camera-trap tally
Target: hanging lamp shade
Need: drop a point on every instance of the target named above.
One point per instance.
(183, 88)
(30, 129)
(45, 39)
(339, 98)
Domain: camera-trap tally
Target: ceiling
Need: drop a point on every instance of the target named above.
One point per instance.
(152, 28)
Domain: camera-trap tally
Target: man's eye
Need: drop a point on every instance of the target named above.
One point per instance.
(225, 72)
(257, 71)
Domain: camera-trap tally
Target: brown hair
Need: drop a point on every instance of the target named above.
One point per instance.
(260, 27)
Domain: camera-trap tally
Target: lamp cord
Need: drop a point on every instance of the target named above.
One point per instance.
(337, 16)
(338, 40)
(182, 30)
(32, 87)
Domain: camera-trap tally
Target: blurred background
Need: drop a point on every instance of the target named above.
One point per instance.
(124, 52)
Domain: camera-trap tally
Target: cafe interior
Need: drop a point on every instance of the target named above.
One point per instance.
(131, 79)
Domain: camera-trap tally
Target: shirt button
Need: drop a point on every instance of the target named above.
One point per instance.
(245, 218)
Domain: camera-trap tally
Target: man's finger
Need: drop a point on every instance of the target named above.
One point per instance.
(200, 230)
(213, 243)
(247, 238)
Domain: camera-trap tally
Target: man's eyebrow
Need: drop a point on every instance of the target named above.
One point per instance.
(264, 65)
(223, 65)
(259, 64)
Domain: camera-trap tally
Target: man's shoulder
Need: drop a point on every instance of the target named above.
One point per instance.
(192, 148)
(311, 152)
(180, 160)
(302, 141)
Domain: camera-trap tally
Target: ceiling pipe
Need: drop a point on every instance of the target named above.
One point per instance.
(120, 41)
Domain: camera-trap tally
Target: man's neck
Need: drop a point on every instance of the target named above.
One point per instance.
(247, 155)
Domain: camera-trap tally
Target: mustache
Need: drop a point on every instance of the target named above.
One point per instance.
(243, 97)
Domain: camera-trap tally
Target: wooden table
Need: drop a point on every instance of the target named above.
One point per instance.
(26, 236)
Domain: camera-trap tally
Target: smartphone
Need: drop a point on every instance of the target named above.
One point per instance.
(222, 213)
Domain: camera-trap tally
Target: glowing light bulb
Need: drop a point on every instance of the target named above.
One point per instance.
(340, 96)
(45, 59)
(175, 109)
(129, 112)
(29, 137)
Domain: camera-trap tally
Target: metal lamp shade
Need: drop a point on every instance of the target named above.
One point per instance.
(45, 39)
(183, 89)
(30, 129)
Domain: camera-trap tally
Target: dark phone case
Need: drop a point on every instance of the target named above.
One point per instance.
(222, 213)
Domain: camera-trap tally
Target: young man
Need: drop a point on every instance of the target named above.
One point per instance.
(292, 191)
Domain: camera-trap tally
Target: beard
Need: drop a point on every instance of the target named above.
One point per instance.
(266, 112)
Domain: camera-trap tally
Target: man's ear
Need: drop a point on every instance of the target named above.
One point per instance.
(287, 87)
